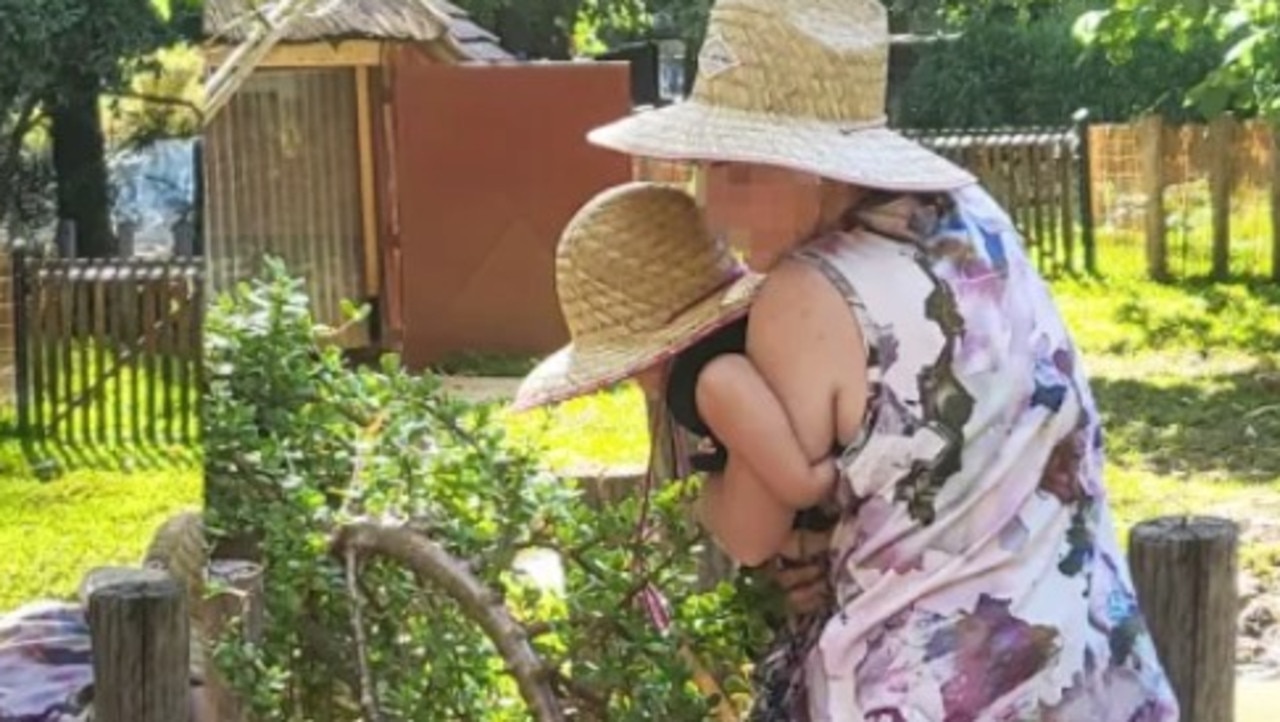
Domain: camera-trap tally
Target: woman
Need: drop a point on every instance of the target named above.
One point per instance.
(974, 567)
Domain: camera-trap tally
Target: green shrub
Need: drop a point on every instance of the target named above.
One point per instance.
(1031, 71)
(298, 445)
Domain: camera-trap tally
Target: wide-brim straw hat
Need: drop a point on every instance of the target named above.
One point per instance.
(798, 84)
(639, 279)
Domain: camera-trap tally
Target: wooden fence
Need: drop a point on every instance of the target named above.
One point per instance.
(1191, 199)
(108, 351)
(1038, 175)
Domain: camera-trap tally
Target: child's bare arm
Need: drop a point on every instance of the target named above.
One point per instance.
(747, 417)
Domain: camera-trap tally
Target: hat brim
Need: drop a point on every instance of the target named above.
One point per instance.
(578, 370)
(873, 157)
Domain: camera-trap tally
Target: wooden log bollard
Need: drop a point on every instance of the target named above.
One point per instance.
(236, 598)
(139, 629)
(1184, 572)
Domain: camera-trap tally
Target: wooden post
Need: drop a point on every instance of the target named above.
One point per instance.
(605, 485)
(1151, 146)
(368, 192)
(138, 625)
(1275, 205)
(1084, 188)
(1221, 144)
(21, 355)
(236, 598)
(1184, 571)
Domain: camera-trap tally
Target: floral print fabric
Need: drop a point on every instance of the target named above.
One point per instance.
(45, 663)
(976, 571)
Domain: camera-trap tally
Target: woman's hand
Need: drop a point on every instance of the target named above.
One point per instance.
(801, 571)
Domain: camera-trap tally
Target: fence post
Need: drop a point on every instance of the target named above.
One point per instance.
(139, 628)
(1184, 572)
(18, 267)
(198, 192)
(1221, 144)
(65, 238)
(1151, 143)
(1084, 180)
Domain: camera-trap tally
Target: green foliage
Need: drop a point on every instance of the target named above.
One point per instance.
(44, 41)
(56, 56)
(1246, 77)
(54, 530)
(297, 444)
(483, 364)
(1034, 72)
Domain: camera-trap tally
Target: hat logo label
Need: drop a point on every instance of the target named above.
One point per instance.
(716, 57)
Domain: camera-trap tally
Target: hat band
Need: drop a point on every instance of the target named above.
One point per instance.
(733, 277)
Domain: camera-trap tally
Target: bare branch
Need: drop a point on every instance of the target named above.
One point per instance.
(368, 698)
(433, 563)
(161, 100)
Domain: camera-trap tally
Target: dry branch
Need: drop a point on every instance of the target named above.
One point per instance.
(432, 563)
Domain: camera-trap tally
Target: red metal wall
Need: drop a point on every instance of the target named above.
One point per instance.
(490, 162)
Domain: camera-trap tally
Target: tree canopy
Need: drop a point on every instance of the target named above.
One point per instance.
(1247, 75)
(57, 58)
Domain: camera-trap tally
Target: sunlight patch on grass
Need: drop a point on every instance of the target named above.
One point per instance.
(608, 428)
(52, 533)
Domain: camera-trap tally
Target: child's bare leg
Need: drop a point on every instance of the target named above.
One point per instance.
(747, 417)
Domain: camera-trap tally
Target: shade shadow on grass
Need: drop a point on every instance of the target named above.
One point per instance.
(1243, 316)
(49, 458)
(1224, 425)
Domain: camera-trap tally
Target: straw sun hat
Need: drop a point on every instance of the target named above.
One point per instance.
(639, 278)
(793, 83)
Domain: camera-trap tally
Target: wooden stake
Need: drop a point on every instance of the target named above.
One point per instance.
(368, 196)
(139, 629)
(1151, 144)
(236, 599)
(1184, 571)
(1221, 144)
(1275, 205)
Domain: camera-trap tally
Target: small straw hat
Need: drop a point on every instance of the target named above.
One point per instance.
(639, 278)
(799, 84)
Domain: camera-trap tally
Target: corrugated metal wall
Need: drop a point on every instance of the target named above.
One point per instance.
(282, 178)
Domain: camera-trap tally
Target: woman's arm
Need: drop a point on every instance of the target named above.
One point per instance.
(747, 417)
(807, 345)
(808, 350)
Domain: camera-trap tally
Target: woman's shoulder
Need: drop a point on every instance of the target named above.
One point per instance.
(848, 256)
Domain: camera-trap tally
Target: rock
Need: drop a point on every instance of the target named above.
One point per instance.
(1249, 588)
(1249, 651)
(1257, 618)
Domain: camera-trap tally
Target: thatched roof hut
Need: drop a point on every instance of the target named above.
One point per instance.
(435, 22)
(391, 152)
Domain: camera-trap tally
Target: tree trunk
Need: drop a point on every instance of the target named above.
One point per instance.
(79, 159)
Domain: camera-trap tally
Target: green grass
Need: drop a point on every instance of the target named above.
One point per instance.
(481, 364)
(137, 404)
(53, 532)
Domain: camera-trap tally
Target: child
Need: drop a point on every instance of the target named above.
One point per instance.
(647, 293)
(715, 393)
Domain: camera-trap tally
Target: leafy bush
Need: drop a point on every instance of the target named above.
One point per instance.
(299, 446)
(1032, 70)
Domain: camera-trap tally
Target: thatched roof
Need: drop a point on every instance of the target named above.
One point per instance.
(331, 20)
